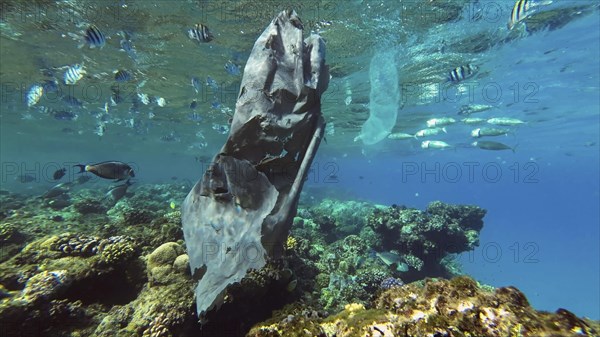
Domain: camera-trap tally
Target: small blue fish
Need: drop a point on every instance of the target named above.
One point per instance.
(215, 104)
(25, 178)
(195, 117)
(122, 76)
(64, 115)
(127, 46)
(171, 137)
(232, 69)
(72, 101)
(135, 104)
(94, 37)
(196, 84)
(193, 105)
(116, 96)
(221, 128)
(212, 83)
(74, 74)
(50, 85)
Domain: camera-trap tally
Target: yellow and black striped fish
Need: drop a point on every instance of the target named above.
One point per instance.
(200, 33)
(524, 8)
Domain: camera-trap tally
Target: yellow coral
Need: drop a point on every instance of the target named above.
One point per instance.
(291, 243)
(271, 329)
(329, 328)
(577, 330)
(515, 330)
(353, 307)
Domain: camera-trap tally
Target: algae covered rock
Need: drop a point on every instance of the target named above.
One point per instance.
(45, 286)
(89, 206)
(182, 264)
(161, 261)
(457, 307)
(135, 217)
(164, 305)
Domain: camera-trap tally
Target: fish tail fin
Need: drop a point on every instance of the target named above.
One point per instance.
(444, 129)
(81, 168)
(514, 148)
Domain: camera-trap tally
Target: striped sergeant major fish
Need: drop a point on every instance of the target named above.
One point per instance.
(122, 76)
(200, 33)
(462, 73)
(74, 74)
(522, 9)
(34, 95)
(94, 37)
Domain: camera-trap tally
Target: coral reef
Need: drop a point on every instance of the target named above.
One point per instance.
(125, 272)
(457, 307)
(163, 305)
(89, 206)
(390, 243)
(424, 239)
(338, 219)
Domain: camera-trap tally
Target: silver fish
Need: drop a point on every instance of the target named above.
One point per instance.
(473, 108)
(472, 120)
(400, 135)
(430, 132)
(434, 144)
(483, 132)
(440, 122)
(505, 121)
